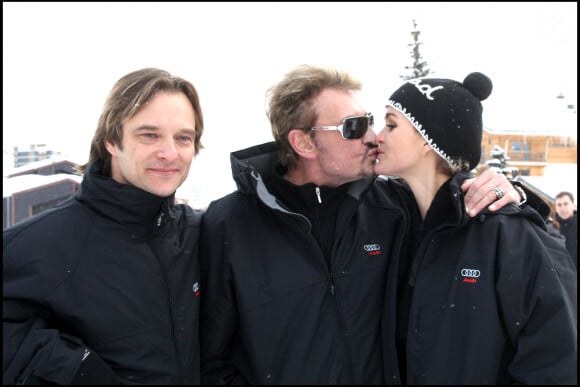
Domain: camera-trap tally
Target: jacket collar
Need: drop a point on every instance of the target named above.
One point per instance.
(448, 208)
(571, 219)
(253, 166)
(140, 211)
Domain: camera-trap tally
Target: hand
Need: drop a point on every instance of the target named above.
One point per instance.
(479, 192)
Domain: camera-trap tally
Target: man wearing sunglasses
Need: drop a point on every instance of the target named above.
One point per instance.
(294, 262)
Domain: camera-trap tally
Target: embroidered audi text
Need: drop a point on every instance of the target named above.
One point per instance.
(372, 249)
(470, 275)
(195, 288)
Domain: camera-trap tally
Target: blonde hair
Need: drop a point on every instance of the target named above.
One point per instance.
(290, 102)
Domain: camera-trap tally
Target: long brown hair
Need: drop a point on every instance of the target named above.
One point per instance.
(127, 97)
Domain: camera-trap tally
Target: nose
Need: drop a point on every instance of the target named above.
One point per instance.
(370, 138)
(370, 135)
(167, 150)
(381, 136)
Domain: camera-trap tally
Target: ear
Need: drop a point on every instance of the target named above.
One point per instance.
(111, 148)
(301, 142)
(426, 149)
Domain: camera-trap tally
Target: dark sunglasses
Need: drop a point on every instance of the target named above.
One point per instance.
(351, 128)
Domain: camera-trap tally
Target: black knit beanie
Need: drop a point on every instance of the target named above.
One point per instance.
(446, 113)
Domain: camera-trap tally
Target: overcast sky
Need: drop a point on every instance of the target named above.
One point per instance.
(60, 60)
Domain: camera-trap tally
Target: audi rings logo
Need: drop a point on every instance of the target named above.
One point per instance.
(374, 247)
(473, 273)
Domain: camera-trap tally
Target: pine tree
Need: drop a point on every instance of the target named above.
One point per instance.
(499, 158)
(499, 161)
(419, 68)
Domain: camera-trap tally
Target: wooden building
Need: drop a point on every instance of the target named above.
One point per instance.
(530, 153)
(35, 187)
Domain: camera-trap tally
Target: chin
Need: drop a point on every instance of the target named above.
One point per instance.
(164, 193)
(160, 191)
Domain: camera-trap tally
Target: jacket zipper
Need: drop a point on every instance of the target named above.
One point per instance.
(331, 278)
(318, 195)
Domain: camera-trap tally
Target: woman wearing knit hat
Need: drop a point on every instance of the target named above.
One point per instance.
(484, 300)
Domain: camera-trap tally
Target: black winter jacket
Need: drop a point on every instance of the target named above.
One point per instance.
(273, 311)
(569, 229)
(109, 278)
(494, 300)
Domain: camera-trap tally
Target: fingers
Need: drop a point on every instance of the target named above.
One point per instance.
(466, 184)
(480, 193)
(510, 196)
(484, 198)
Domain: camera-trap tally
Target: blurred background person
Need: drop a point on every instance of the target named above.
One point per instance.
(566, 217)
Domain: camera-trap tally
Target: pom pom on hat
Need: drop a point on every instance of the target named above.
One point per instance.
(479, 85)
(448, 114)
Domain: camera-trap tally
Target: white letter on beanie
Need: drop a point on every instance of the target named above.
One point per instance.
(426, 90)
